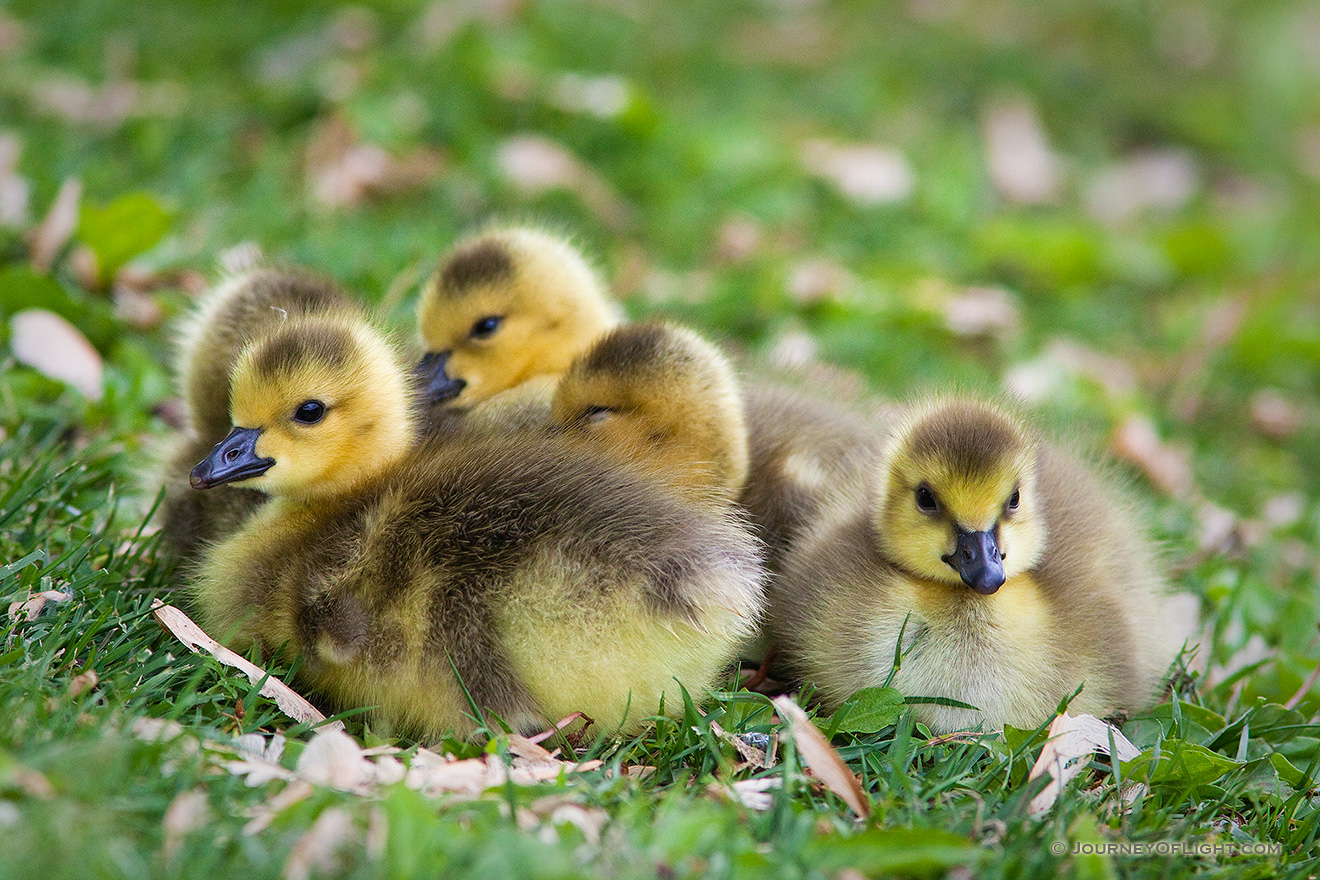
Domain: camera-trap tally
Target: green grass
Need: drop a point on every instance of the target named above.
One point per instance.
(718, 100)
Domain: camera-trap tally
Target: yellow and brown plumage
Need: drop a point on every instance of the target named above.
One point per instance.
(1014, 570)
(229, 316)
(509, 308)
(551, 578)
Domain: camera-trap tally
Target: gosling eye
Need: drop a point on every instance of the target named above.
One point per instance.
(309, 412)
(485, 327)
(1013, 500)
(594, 415)
(926, 502)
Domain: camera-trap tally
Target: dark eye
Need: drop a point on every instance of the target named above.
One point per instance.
(1014, 499)
(926, 502)
(309, 412)
(485, 327)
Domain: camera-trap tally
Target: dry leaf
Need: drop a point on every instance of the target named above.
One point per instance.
(186, 813)
(602, 96)
(15, 191)
(738, 240)
(343, 172)
(13, 33)
(30, 781)
(335, 759)
(1274, 415)
(817, 278)
(48, 239)
(821, 757)
(866, 174)
(434, 775)
(264, 814)
(442, 19)
(754, 794)
(1023, 168)
(81, 683)
(1158, 179)
(983, 312)
(317, 850)
(46, 342)
(1137, 441)
(289, 701)
(536, 165)
(1073, 739)
(29, 608)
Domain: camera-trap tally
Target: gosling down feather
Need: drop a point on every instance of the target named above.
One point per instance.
(1013, 571)
(519, 567)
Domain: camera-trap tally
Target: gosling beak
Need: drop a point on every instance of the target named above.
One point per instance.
(232, 459)
(439, 387)
(978, 561)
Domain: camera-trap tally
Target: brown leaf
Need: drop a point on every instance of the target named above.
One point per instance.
(28, 609)
(186, 813)
(865, 174)
(48, 239)
(1274, 415)
(51, 345)
(1163, 180)
(334, 758)
(192, 635)
(535, 165)
(821, 757)
(343, 172)
(317, 850)
(988, 312)
(84, 682)
(1073, 739)
(1168, 467)
(1023, 168)
(15, 191)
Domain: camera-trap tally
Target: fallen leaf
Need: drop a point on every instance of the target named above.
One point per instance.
(604, 97)
(1168, 467)
(263, 814)
(535, 165)
(192, 635)
(442, 19)
(30, 781)
(108, 105)
(49, 237)
(317, 850)
(989, 312)
(334, 758)
(866, 174)
(28, 609)
(738, 240)
(817, 278)
(1162, 180)
(821, 757)
(51, 345)
(83, 682)
(15, 191)
(1022, 167)
(754, 794)
(186, 813)
(1274, 415)
(343, 172)
(1072, 739)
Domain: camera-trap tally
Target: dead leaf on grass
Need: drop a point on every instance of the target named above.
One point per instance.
(1023, 168)
(1073, 739)
(15, 191)
(28, 609)
(317, 850)
(82, 683)
(51, 345)
(343, 171)
(821, 757)
(1274, 415)
(186, 813)
(192, 635)
(53, 232)
(1168, 467)
(535, 165)
(1162, 180)
(866, 174)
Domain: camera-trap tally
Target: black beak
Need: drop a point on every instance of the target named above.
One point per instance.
(232, 459)
(437, 384)
(978, 561)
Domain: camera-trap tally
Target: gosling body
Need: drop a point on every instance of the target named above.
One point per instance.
(546, 580)
(1012, 570)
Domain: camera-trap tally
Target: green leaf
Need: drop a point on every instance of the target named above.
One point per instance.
(870, 710)
(118, 232)
(1179, 763)
(893, 851)
(1287, 772)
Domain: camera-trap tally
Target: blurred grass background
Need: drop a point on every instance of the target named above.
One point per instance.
(1112, 207)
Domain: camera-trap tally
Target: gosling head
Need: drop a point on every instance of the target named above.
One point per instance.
(319, 406)
(507, 305)
(956, 496)
(664, 397)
